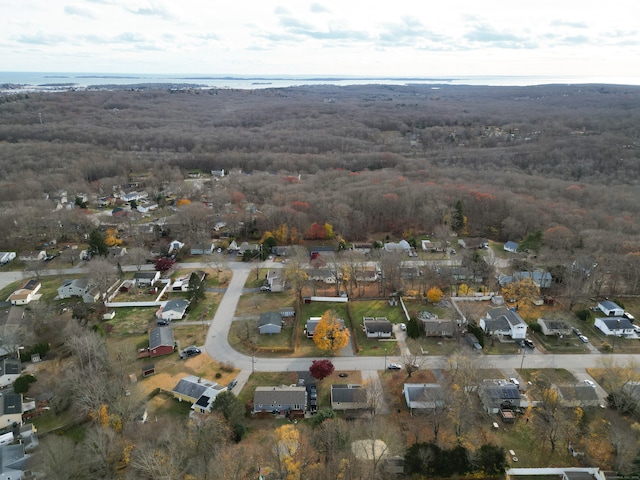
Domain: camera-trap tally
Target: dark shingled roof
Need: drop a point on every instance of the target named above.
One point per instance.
(161, 336)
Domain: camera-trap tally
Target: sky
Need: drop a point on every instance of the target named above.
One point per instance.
(402, 38)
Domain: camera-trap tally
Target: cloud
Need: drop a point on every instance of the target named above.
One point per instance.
(317, 8)
(487, 36)
(295, 28)
(79, 12)
(155, 9)
(280, 10)
(409, 32)
(565, 23)
(42, 39)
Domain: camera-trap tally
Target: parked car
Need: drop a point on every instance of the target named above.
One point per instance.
(577, 332)
(590, 383)
(403, 327)
(190, 351)
(394, 366)
(313, 392)
(583, 339)
(163, 323)
(232, 384)
(515, 382)
(265, 288)
(529, 344)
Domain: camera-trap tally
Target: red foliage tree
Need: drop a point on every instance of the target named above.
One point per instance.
(164, 264)
(320, 369)
(316, 232)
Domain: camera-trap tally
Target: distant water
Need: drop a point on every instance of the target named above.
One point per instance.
(64, 81)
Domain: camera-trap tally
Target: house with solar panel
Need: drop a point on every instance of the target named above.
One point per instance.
(499, 395)
(200, 392)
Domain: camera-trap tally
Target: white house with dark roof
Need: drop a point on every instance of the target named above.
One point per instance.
(200, 392)
(10, 370)
(378, 327)
(511, 247)
(79, 287)
(397, 247)
(610, 309)
(423, 397)
(618, 326)
(10, 409)
(146, 279)
(26, 293)
(173, 309)
(504, 322)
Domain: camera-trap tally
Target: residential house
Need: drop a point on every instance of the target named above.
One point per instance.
(291, 400)
(511, 247)
(146, 279)
(504, 322)
(146, 207)
(397, 247)
(351, 399)
(175, 245)
(436, 327)
(540, 279)
(219, 226)
(270, 323)
(13, 462)
(10, 370)
(200, 392)
(322, 275)
(378, 327)
(10, 410)
(6, 257)
(161, 341)
(119, 212)
(181, 284)
(233, 247)
(580, 395)
(409, 272)
(26, 293)
(33, 256)
(473, 243)
(202, 249)
(618, 326)
(173, 309)
(246, 247)
(367, 273)
(322, 250)
(275, 280)
(117, 252)
(498, 394)
(610, 309)
(281, 250)
(217, 173)
(554, 327)
(429, 246)
(79, 287)
(312, 323)
(423, 397)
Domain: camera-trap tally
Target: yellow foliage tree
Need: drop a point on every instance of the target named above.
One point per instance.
(434, 295)
(281, 234)
(330, 334)
(328, 231)
(183, 201)
(522, 293)
(111, 238)
(463, 289)
(287, 441)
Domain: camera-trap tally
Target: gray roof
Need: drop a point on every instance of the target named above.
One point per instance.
(616, 323)
(190, 389)
(609, 305)
(423, 395)
(11, 403)
(280, 396)
(149, 275)
(505, 316)
(161, 336)
(10, 367)
(270, 318)
(178, 305)
(348, 394)
(78, 282)
(379, 324)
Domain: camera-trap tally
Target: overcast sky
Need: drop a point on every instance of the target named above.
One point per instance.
(324, 37)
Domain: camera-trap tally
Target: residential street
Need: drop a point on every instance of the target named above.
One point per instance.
(217, 345)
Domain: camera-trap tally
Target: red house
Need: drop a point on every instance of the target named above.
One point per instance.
(161, 341)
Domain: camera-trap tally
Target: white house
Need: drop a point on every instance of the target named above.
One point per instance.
(6, 257)
(511, 247)
(618, 326)
(146, 279)
(270, 323)
(79, 287)
(200, 392)
(175, 245)
(400, 247)
(26, 293)
(610, 309)
(504, 322)
(173, 309)
(275, 280)
(33, 256)
(377, 327)
(9, 371)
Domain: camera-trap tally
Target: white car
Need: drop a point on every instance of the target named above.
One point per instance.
(590, 383)
(515, 382)
(584, 339)
(394, 366)
(403, 327)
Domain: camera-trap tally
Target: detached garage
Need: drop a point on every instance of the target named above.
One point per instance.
(610, 309)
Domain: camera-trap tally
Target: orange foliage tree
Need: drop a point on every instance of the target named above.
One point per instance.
(330, 334)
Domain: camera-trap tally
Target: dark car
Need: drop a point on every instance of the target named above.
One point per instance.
(163, 323)
(313, 392)
(232, 384)
(190, 351)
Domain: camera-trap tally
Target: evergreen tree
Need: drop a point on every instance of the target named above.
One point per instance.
(97, 244)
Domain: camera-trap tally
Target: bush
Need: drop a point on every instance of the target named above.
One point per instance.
(583, 314)
(535, 327)
(22, 384)
(39, 348)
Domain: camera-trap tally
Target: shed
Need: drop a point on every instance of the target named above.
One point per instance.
(610, 309)
(270, 323)
(148, 370)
